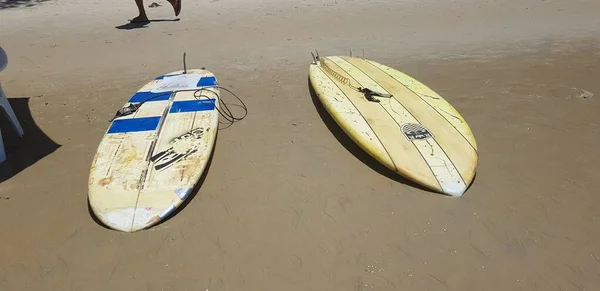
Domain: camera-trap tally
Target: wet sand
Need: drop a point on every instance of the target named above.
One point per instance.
(288, 201)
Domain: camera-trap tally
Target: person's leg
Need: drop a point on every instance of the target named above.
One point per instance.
(142, 12)
(176, 6)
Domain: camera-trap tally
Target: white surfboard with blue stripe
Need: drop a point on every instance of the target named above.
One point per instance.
(148, 162)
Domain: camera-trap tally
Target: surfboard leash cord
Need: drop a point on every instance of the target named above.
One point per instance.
(224, 111)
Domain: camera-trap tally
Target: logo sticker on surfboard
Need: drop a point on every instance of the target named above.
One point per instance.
(414, 131)
(181, 148)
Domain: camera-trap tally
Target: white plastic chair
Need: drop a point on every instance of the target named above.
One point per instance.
(6, 107)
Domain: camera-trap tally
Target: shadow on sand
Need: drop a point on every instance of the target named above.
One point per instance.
(7, 4)
(22, 152)
(354, 149)
(193, 194)
(130, 26)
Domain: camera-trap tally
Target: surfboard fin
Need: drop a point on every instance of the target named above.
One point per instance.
(363, 54)
(184, 64)
(315, 58)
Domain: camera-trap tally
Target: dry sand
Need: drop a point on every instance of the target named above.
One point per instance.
(288, 202)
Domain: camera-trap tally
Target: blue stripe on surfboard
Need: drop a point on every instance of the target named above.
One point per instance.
(192, 105)
(149, 96)
(207, 81)
(134, 124)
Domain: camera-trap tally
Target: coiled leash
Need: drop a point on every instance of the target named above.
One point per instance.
(368, 93)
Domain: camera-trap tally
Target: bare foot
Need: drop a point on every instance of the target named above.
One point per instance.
(176, 6)
(141, 18)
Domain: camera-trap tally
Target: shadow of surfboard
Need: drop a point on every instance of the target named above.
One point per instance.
(356, 150)
(22, 152)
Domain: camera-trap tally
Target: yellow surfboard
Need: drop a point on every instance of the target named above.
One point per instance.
(399, 121)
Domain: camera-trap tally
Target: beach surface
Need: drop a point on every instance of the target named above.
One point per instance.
(289, 202)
